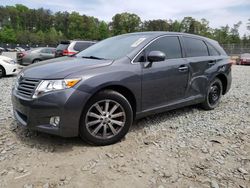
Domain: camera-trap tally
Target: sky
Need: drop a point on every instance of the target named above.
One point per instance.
(217, 12)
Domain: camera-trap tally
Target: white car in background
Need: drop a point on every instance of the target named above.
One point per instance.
(7, 66)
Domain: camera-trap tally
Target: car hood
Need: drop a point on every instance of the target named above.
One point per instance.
(60, 68)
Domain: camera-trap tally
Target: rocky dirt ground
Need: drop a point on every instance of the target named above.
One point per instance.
(188, 147)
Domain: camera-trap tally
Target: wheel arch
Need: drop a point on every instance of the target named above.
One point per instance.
(4, 71)
(126, 92)
(224, 82)
(36, 59)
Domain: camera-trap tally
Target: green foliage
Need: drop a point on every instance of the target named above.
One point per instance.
(125, 23)
(103, 30)
(156, 25)
(7, 35)
(76, 26)
(19, 24)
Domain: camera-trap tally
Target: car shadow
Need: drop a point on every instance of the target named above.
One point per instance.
(10, 76)
(51, 143)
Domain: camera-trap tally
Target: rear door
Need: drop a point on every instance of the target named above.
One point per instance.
(46, 53)
(200, 61)
(164, 82)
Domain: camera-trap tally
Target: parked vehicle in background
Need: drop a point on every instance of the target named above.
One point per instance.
(99, 92)
(245, 59)
(9, 50)
(27, 48)
(19, 49)
(1, 50)
(72, 47)
(35, 55)
(7, 66)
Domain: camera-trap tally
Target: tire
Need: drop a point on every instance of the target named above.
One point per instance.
(213, 95)
(36, 60)
(2, 72)
(116, 119)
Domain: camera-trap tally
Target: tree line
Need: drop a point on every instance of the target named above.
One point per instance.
(22, 25)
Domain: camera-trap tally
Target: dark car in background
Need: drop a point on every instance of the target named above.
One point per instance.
(99, 92)
(70, 47)
(35, 55)
(1, 50)
(245, 59)
(19, 49)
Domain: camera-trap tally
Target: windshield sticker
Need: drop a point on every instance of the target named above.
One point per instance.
(136, 43)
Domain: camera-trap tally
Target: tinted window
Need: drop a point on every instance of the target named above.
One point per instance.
(195, 47)
(62, 47)
(212, 50)
(169, 45)
(79, 46)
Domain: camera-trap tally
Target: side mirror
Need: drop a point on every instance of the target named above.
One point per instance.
(155, 56)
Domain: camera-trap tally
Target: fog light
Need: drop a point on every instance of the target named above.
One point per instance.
(55, 121)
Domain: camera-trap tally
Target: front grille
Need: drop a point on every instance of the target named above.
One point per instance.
(26, 87)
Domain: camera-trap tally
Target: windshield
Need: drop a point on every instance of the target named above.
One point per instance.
(62, 46)
(114, 47)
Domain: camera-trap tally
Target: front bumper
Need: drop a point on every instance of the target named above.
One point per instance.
(24, 62)
(245, 62)
(12, 69)
(35, 114)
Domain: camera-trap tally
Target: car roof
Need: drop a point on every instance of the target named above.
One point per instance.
(162, 33)
(70, 41)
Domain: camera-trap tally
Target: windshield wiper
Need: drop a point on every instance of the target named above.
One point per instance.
(93, 57)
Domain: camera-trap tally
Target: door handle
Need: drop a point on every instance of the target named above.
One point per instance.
(183, 68)
(211, 63)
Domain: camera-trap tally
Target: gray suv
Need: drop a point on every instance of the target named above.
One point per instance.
(99, 92)
(35, 55)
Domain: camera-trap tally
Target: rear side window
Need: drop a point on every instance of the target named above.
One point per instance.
(195, 47)
(44, 50)
(169, 45)
(212, 50)
(79, 46)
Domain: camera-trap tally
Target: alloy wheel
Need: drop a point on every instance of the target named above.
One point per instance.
(214, 94)
(105, 119)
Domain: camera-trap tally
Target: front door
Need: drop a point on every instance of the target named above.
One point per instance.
(164, 82)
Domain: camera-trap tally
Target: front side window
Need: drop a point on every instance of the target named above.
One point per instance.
(170, 45)
(195, 47)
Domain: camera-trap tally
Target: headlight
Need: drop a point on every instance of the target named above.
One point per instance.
(16, 81)
(54, 85)
(9, 61)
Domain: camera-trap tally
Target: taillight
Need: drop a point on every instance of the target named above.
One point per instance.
(66, 52)
(22, 54)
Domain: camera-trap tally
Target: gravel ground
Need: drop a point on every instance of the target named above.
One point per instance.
(188, 147)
